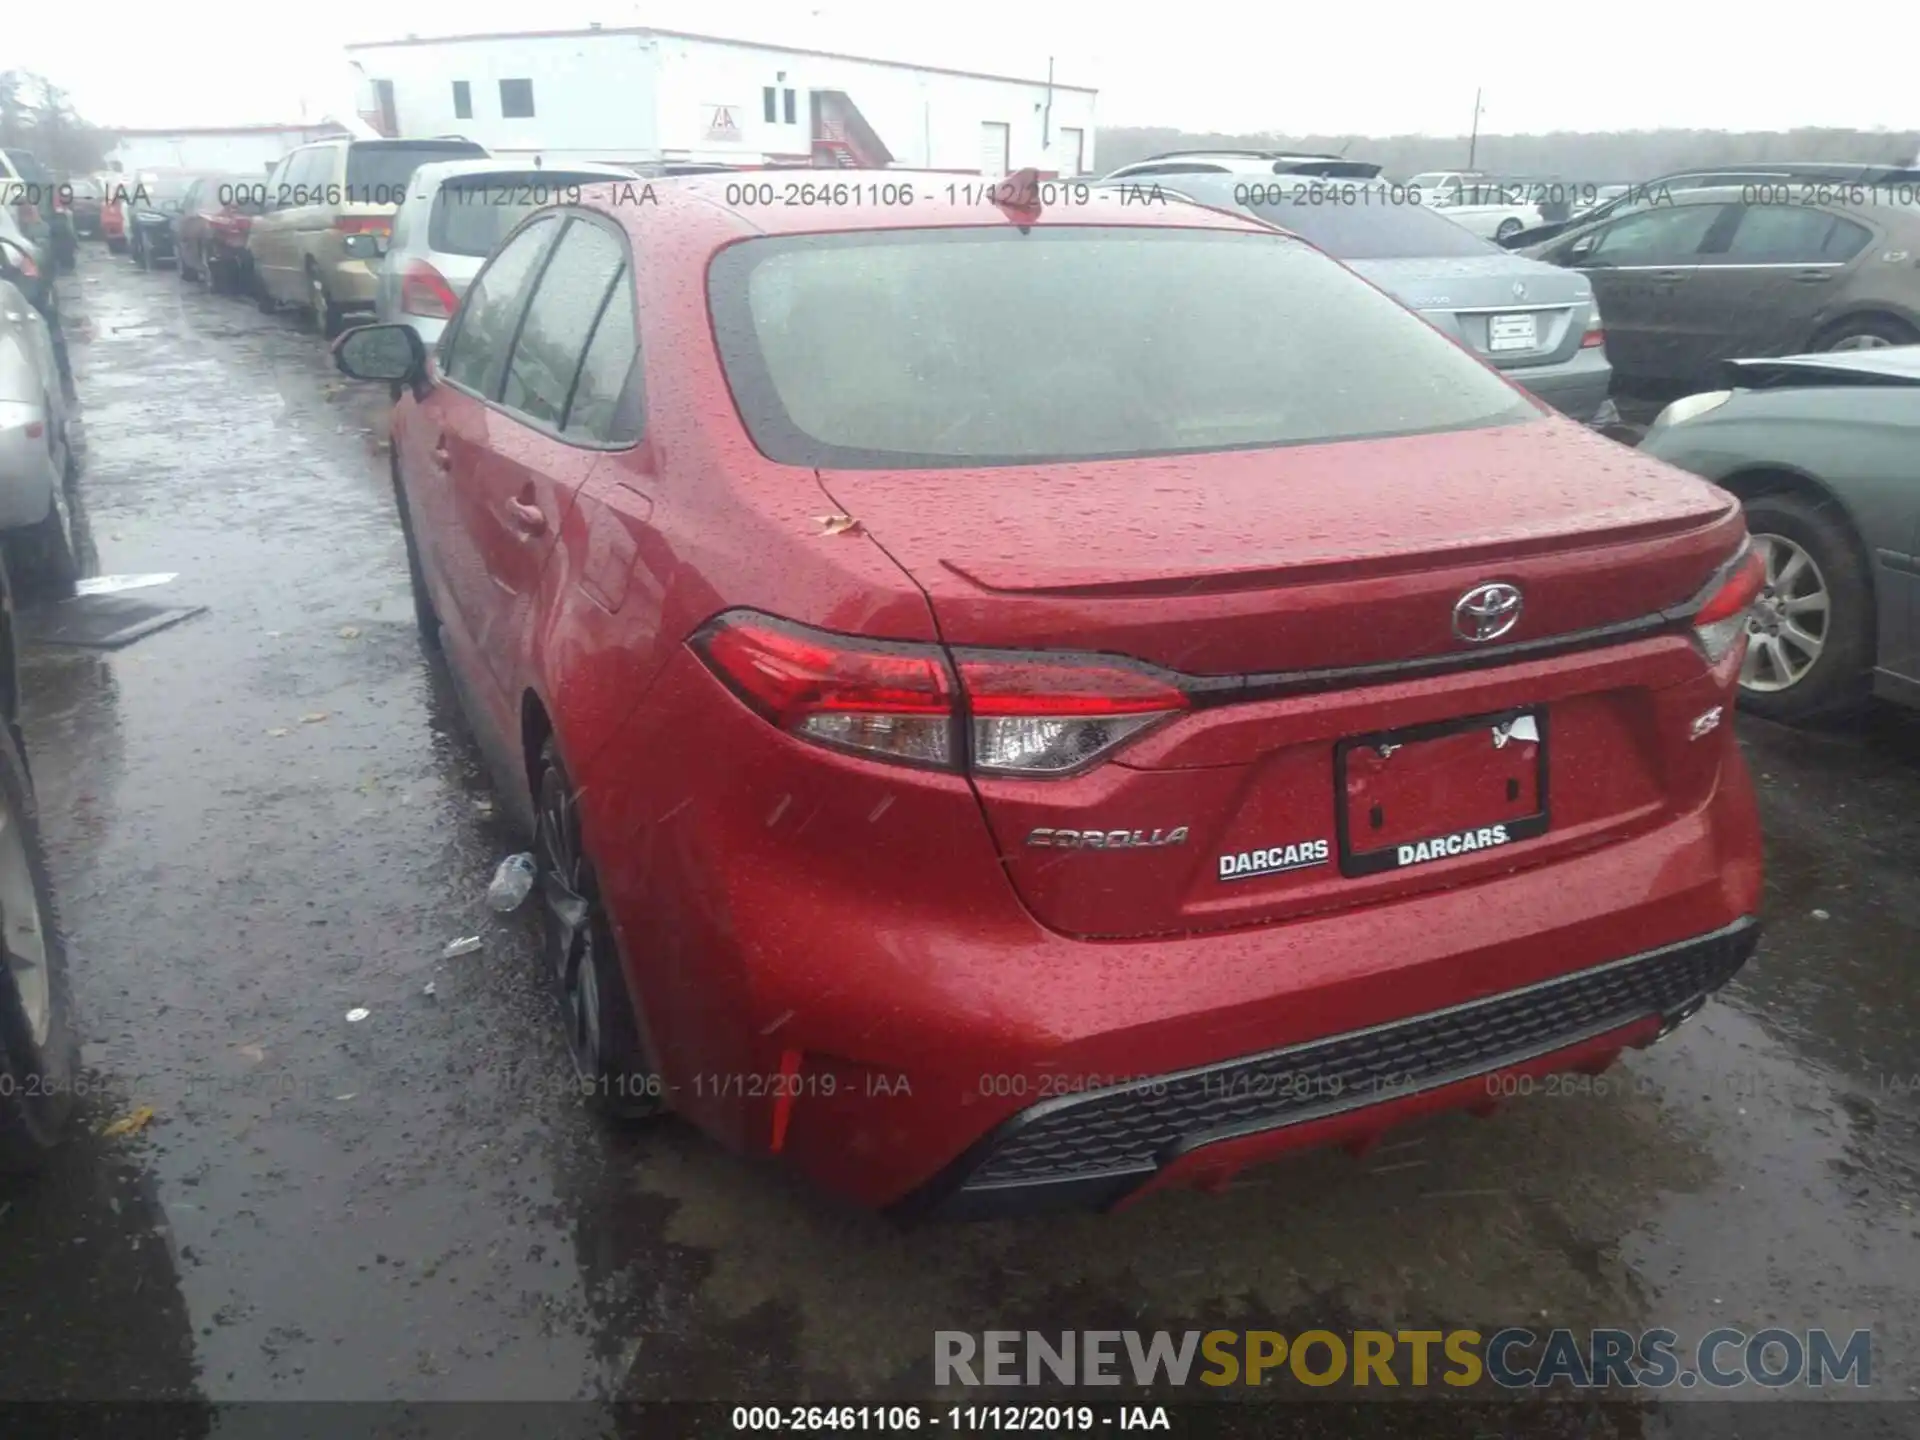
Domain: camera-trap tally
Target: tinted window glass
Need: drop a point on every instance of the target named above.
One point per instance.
(976, 346)
(471, 215)
(1177, 167)
(573, 287)
(1785, 234)
(516, 99)
(606, 406)
(377, 172)
(1378, 231)
(477, 357)
(1666, 234)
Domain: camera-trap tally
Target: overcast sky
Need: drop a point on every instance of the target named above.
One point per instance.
(1385, 68)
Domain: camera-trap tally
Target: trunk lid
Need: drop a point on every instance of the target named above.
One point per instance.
(1318, 558)
(1511, 312)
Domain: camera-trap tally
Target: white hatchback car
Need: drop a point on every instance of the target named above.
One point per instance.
(455, 212)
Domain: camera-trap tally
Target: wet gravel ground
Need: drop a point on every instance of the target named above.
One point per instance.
(269, 816)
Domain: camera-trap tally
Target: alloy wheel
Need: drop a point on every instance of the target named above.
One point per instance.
(1864, 342)
(1788, 631)
(564, 888)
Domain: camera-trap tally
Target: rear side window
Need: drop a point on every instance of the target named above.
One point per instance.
(1664, 235)
(573, 289)
(473, 213)
(378, 171)
(477, 346)
(986, 346)
(1794, 234)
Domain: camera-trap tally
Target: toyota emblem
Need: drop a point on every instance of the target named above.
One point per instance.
(1486, 612)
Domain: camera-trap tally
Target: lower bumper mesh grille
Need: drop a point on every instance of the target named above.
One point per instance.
(1138, 1128)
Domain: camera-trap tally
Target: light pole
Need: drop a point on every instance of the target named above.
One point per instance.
(1473, 140)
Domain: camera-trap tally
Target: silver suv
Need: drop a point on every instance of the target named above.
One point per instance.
(455, 212)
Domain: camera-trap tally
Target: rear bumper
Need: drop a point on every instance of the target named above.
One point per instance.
(1576, 388)
(834, 967)
(353, 284)
(1096, 1149)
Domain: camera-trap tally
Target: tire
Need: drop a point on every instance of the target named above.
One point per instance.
(142, 255)
(327, 316)
(1507, 229)
(39, 1057)
(603, 1035)
(1867, 332)
(40, 559)
(216, 274)
(1810, 547)
(424, 615)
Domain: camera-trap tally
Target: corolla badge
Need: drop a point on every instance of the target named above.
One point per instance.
(1487, 612)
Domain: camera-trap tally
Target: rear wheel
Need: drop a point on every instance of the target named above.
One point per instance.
(1810, 643)
(603, 1037)
(327, 316)
(38, 1056)
(1508, 229)
(1867, 332)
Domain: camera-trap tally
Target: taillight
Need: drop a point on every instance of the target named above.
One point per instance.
(1036, 715)
(1007, 712)
(895, 701)
(363, 224)
(1722, 620)
(424, 291)
(1596, 332)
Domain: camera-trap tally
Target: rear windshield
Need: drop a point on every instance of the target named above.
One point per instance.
(1381, 231)
(956, 347)
(473, 214)
(377, 173)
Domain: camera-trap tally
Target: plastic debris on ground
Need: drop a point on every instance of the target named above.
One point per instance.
(464, 946)
(357, 1014)
(511, 883)
(111, 584)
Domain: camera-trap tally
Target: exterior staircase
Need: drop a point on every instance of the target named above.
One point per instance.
(842, 138)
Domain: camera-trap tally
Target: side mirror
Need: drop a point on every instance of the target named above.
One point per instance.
(1582, 248)
(392, 353)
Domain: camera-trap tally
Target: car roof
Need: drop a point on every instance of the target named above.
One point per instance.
(874, 203)
(440, 171)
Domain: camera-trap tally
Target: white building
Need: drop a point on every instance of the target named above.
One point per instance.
(240, 149)
(661, 95)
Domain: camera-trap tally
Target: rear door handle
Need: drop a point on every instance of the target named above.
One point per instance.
(1811, 277)
(529, 519)
(1669, 277)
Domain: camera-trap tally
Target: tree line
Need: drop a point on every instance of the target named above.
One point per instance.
(1572, 157)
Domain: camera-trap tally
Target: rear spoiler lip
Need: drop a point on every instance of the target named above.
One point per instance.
(1782, 372)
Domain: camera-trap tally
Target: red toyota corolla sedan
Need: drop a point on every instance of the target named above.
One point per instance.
(1025, 707)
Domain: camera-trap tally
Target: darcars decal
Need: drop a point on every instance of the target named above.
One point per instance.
(1274, 860)
(1458, 843)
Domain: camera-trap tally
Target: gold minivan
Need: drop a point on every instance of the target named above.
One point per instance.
(326, 213)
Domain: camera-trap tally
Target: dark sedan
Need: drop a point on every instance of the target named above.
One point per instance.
(152, 206)
(1691, 278)
(1822, 449)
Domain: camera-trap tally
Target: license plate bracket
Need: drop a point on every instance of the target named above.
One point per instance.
(1431, 792)
(1512, 332)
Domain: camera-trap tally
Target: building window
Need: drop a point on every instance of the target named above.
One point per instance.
(789, 105)
(766, 105)
(516, 99)
(462, 100)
